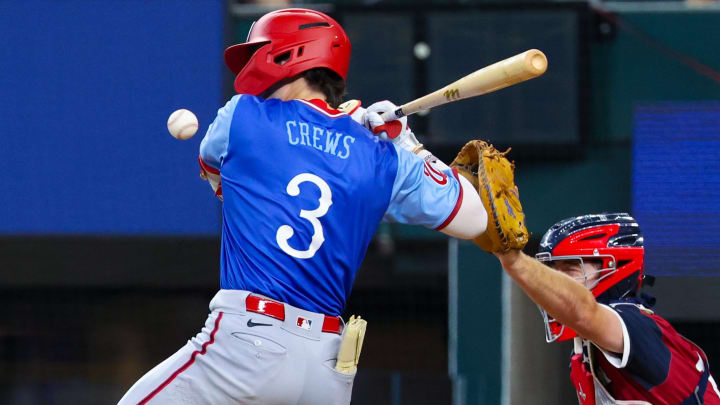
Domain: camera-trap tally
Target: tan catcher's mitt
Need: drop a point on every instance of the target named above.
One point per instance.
(492, 175)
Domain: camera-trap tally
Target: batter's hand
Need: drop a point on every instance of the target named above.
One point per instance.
(396, 131)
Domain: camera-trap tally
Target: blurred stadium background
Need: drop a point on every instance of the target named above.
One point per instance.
(109, 239)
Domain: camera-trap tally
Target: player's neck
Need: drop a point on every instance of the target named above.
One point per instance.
(297, 90)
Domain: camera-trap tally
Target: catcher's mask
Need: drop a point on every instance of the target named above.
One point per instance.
(612, 239)
(284, 43)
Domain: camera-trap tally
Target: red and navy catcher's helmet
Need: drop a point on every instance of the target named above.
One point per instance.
(284, 43)
(611, 238)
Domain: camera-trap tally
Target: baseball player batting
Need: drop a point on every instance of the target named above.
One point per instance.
(304, 187)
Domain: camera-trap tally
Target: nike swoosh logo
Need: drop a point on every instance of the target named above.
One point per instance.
(251, 324)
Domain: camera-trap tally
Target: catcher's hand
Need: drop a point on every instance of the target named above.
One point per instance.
(492, 175)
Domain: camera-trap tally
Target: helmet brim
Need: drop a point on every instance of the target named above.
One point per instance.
(237, 56)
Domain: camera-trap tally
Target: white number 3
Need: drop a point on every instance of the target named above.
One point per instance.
(286, 232)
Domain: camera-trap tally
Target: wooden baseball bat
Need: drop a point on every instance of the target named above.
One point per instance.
(513, 70)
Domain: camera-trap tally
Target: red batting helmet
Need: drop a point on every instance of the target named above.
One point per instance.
(613, 239)
(285, 43)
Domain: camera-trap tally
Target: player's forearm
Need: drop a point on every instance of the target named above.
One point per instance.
(470, 221)
(566, 300)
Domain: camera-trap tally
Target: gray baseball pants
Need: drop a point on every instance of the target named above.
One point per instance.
(242, 357)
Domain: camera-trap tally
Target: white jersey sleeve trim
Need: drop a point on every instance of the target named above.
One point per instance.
(615, 360)
(470, 220)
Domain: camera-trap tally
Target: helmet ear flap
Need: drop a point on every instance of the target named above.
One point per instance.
(238, 56)
(258, 71)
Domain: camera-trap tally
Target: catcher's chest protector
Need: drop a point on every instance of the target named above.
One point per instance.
(582, 380)
(590, 391)
(594, 378)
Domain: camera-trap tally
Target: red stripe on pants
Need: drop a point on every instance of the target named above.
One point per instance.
(186, 365)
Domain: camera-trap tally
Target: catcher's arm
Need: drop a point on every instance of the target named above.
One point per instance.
(565, 299)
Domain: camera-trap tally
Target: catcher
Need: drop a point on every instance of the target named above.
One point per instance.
(587, 275)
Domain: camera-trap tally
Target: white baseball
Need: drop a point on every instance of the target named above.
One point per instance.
(182, 124)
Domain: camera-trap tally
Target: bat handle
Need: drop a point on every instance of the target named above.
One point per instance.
(392, 115)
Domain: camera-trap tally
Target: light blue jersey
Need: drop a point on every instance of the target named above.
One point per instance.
(304, 189)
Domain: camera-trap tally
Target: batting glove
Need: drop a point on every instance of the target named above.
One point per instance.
(396, 131)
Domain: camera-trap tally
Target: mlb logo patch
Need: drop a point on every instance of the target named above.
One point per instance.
(303, 323)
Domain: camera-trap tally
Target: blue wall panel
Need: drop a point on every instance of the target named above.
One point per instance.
(676, 186)
(85, 91)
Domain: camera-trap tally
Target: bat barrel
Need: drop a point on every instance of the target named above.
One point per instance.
(519, 68)
(535, 62)
(513, 70)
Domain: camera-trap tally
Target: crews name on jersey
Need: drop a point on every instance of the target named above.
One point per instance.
(322, 139)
